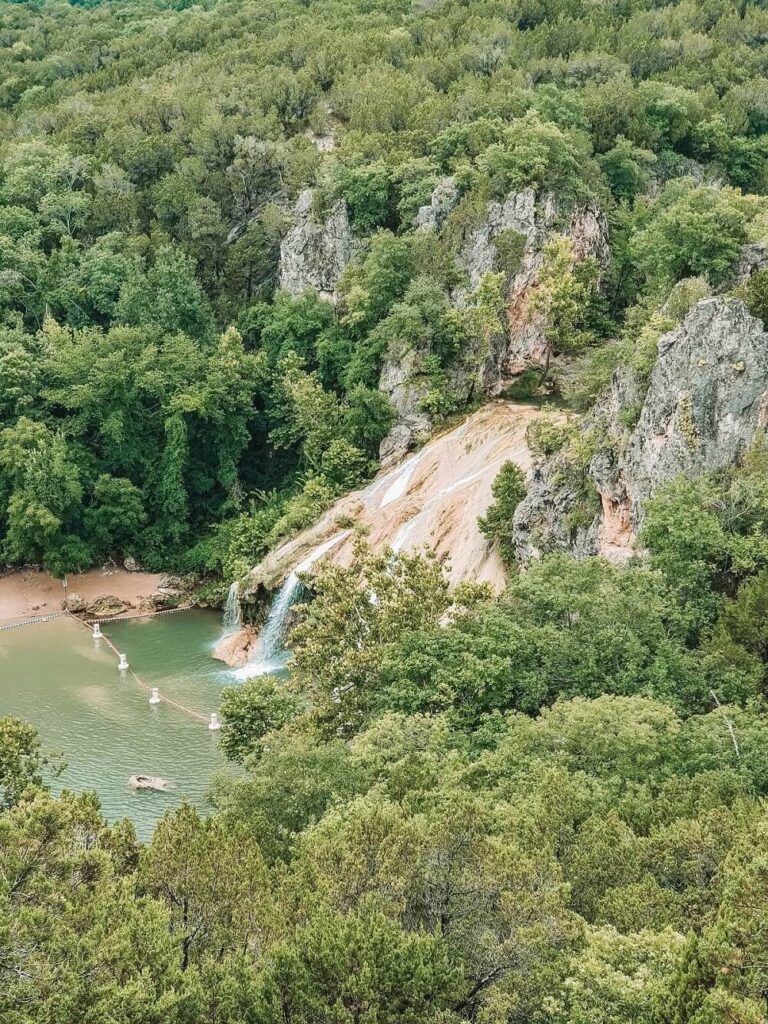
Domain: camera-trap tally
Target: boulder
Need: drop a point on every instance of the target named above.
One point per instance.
(106, 606)
(235, 648)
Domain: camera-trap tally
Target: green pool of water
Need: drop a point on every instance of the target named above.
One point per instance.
(54, 675)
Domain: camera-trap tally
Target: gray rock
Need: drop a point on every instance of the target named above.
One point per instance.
(754, 257)
(707, 398)
(444, 199)
(706, 401)
(403, 382)
(315, 255)
(522, 343)
(526, 344)
(518, 212)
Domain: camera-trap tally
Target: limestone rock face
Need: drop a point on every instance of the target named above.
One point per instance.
(706, 401)
(754, 257)
(707, 398)
(517, 212)
(315, 255)
(525, 343)
(432, 216)
(405, 385)
(535, 218)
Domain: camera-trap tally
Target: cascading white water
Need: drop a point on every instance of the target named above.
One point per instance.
(267, 654)
(233, 614)
(271, 638)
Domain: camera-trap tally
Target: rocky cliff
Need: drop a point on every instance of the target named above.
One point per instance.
(706, 400)
(314, 254)
(533, 219)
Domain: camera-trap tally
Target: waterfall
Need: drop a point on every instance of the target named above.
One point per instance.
(267, 655)
(233, 615)
(270, 642)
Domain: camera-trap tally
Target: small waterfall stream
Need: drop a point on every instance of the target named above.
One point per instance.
(233, 615)
(267, 655)
(270, 642)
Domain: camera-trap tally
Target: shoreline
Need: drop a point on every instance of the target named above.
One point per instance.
(30, 593)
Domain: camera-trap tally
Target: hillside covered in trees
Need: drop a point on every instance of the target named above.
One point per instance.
(250, 250)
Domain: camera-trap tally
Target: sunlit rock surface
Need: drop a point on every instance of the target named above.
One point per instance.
(433, 498)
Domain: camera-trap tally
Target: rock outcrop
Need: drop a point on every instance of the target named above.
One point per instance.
(754, 257)
(314, 255)
(536, 219)
(444, 199)
(706, 401)
(403, 382)
(522, 344)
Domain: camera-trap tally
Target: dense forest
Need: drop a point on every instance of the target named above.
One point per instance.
(545, 807)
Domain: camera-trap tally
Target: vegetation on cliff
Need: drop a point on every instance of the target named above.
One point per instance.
(542, 808)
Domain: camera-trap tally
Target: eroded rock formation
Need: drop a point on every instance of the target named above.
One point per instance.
(433, 498)
(706, 401)
(314, 254)
(522, 344)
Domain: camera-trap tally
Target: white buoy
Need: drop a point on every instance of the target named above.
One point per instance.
(123, 664)
(214, 722)
(96, 631)
(154, 696)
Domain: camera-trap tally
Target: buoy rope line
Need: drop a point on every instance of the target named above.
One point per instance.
(160, 697)
(136, 615)
(31, 622)
(16, 623)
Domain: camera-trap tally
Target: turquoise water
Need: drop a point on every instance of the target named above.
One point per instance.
(54, 675)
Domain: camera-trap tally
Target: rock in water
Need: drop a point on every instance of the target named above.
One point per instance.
(235, 648)
(151, 782)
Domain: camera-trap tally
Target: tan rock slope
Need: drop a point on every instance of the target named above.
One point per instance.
(433, 498)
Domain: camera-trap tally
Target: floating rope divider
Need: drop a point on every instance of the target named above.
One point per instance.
(165, 700)
(136, 615)
(31, 622)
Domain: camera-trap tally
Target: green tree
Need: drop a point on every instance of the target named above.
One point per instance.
(251, 711)
(508, 491)
(22, 761)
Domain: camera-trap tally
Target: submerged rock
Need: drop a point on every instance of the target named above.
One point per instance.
(150, 782)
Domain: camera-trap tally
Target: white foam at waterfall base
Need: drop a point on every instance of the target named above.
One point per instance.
(233, 615)
(270, 655)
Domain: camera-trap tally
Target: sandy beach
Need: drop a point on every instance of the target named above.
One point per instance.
(27, 593)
